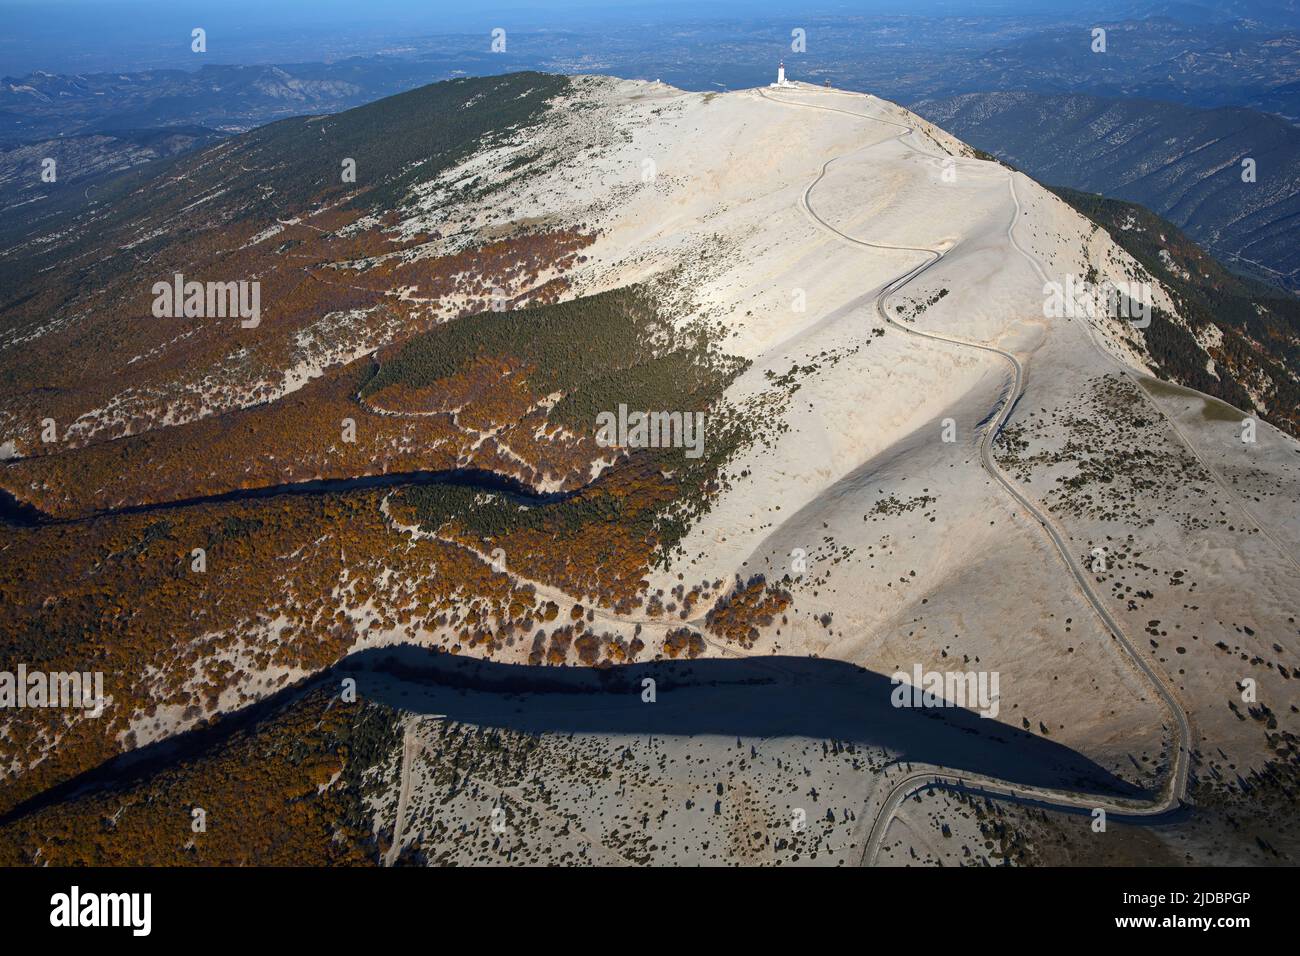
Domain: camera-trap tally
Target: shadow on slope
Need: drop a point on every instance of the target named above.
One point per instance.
(762, 697)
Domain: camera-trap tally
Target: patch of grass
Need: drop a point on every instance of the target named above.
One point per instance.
(1212, 409)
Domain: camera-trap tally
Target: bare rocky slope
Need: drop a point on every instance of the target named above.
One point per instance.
(910, 462)
(1184, 163)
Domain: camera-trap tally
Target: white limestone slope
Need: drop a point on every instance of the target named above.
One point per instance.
(783, 215)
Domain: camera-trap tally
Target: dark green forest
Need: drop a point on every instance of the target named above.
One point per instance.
(599, 351)
(1260, 323)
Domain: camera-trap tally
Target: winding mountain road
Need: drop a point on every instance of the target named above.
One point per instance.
(918, 777)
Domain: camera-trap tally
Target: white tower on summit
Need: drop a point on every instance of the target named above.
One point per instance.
(780, 74)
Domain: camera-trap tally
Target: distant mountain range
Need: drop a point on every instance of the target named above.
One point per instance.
(85, 158)
(229, 98)
(1236, 63)
(1244, 62)
(1182, 162)
(1131, 123)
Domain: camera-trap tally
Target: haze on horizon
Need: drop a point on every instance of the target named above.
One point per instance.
(112, 35)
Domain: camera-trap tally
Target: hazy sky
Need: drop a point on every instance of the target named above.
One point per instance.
(87, 35)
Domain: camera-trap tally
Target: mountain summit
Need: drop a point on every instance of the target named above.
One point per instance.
(777, 399)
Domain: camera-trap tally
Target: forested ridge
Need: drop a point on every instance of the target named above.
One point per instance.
(1260, 323)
